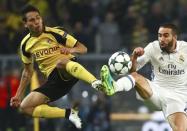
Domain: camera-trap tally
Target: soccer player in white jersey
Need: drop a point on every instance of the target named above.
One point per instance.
(168, 89)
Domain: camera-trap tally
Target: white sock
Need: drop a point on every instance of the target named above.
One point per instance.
(125, 83)
(96, 84)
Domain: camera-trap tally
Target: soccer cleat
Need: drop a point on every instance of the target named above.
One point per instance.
(74, 118)
(107, 80)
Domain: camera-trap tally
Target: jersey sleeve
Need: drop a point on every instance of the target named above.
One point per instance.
(25, 59)
(66, 39)
(146, 57)
(70, 41)
(24, 55)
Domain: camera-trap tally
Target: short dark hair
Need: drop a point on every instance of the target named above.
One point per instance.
(171, 26)
(26, 9)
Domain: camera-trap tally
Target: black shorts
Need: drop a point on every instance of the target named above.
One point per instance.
(56, 86)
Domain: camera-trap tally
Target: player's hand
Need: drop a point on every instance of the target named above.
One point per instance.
(139, 51)
(66, 50)
(15, 101)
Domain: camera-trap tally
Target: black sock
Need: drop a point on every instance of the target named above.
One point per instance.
(67, 114)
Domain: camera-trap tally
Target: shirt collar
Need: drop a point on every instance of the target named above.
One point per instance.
(177, 46)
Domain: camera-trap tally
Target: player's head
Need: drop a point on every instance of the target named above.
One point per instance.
(32, 19)
(167, 36)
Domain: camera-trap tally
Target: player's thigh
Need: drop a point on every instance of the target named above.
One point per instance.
(34, 99)
(178, 121)
(142, 86)
(156, 97)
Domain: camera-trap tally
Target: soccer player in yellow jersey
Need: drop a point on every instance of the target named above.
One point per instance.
(52, 49)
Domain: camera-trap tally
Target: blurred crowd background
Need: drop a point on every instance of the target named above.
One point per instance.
(104, 26)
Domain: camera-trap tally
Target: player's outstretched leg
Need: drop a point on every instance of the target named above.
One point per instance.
(46, 111)
(107, 80)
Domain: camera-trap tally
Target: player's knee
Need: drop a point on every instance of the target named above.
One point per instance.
(179, 127)
(144, 91)
(135, 75)
(22, 108)
(26, 109)
(62, 63)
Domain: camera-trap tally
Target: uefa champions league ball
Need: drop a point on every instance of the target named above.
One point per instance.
(119, 63)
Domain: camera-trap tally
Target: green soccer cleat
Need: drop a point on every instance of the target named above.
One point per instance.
(107, 80)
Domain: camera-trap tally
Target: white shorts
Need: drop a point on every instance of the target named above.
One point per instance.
(167, 100)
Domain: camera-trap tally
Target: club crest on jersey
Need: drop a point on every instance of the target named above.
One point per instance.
(49, 41)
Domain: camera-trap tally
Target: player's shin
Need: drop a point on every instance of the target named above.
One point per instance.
(125, 83)
(55, 112)
(78, 71)
(49, 112)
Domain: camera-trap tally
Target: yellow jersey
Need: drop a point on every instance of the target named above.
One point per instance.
(45, 49)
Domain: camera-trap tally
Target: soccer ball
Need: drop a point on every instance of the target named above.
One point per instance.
(119, 63)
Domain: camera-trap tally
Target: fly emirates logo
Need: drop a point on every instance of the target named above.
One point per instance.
(171, 70)
(47, 51)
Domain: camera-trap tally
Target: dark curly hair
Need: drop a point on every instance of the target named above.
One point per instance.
(26, 9)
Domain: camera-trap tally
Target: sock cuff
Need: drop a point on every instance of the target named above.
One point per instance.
(131, 79)
(96, 83)
(67, 114)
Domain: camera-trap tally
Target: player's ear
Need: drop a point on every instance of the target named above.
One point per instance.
(175, 37)
(25, 24)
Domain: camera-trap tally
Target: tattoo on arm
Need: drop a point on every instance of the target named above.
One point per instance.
(25, 77)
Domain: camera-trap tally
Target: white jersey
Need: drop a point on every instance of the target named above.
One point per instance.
(170, 70)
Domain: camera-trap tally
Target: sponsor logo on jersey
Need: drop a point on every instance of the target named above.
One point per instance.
(47, 51)
(171, 70)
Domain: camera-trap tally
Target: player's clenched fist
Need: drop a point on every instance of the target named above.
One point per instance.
(15, 102)
(66, 50)
(139, 51)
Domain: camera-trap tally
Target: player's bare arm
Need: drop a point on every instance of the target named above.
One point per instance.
(79, 48)
(25, 79)
(139, 51)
